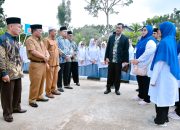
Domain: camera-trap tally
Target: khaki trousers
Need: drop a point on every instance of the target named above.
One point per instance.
(37, 73)
(51, 79)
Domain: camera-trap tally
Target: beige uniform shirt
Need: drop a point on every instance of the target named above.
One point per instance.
(52, 48)
(34, 43)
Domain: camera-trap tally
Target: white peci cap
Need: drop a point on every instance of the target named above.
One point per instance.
(51, 28)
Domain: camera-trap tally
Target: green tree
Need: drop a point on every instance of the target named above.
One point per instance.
(106, 6)
(2, 30)
(136, 27)
(133, 36)
(64, 13)
(90, 31)
(173, 17)
(2, 16)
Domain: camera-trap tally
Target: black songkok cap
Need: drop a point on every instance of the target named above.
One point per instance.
(63, 28)
(36, 26)
(69, 32)
(13, 20)
(155, 29)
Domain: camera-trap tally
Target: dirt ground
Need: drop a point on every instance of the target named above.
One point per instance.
(86, 108)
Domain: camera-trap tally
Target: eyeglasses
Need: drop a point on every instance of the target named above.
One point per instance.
(144, 30)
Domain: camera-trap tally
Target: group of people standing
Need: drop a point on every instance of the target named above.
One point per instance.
(91, 59)
(155, 64)
(68, 59)
(156, 55)
(55, 60)
(50, 61)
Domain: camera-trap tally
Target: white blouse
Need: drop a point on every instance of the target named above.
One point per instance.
(146, 58)
(163, 90)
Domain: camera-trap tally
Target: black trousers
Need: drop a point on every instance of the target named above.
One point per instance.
(74, 72)
(60, 75)
(177, 110)
(10, 96)
(114, 75)
(161, 115)
(66, 73)
(143, 83)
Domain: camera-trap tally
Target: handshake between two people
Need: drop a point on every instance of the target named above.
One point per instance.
(125, 65)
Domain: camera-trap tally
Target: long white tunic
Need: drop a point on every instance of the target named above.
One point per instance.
(81, 56)
(165, 89)
(146, 58)
(131, 52)
(23, 54)
(92, 54)
(131, 56)
(101, 58)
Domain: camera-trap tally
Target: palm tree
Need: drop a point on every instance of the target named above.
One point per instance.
(136, 27)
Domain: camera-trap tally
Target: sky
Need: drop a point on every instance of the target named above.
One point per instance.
(45, 11)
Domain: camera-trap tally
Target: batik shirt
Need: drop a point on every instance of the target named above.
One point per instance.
(74, 48)
(10, 60)
(64, 46)
(115, 49)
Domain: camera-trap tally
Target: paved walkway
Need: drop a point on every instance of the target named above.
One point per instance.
(86, 108)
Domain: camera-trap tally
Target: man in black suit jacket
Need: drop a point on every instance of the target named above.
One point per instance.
(117, 56)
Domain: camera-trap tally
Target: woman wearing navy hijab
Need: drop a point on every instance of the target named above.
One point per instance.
(145, 50)
(163, 89)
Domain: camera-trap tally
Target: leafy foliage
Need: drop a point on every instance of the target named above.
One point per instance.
(90, 31)
(2, 30)
(133, 36)
(2, 16)
(86, 33)
(64, 13)
(136, 27)
(106, 6)
(173, 17)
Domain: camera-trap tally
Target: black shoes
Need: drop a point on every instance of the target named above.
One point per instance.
(61, 89)
(107, 91)
(33, 104)
(42, 100)
(8, 118)
(19, 111)
(77, 84)
(117, 92)
(68, 87)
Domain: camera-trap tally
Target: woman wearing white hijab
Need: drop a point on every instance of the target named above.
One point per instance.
(92, 58)
(82, 58)
(25, 59)
(103, 70)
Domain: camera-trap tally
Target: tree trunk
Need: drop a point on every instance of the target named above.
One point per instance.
(107, 17)
(107, 24)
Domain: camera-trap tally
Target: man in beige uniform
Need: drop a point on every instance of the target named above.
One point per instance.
(39, 56)
(52, 69)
